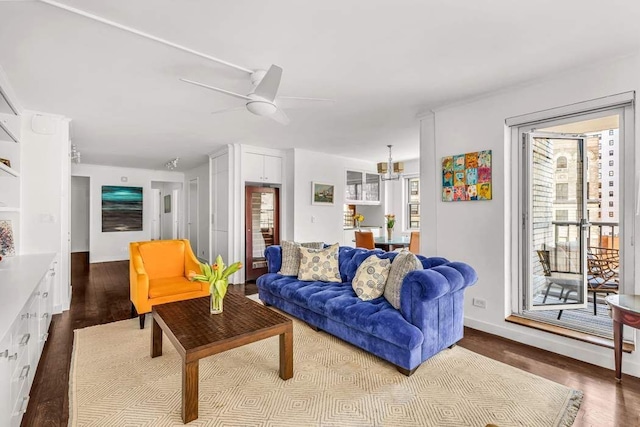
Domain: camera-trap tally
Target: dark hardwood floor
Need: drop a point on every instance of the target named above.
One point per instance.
(101, 295)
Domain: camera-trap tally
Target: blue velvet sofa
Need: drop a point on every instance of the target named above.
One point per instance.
(430, 318)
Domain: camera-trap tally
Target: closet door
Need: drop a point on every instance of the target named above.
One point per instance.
(262, 223)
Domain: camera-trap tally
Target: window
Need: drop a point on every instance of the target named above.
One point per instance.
(610, 131)
(599, 144)
(561, 163)
(562, 191)
(610, 214)
(611, 143)
(610, 162)
(611, 152)
(610, 173)
(599, 215)
(610, 193)
(599, 165)
(610, 183)
(599, 175)
(562, 215)
(599, 155)
(413, 203)
(610, 204)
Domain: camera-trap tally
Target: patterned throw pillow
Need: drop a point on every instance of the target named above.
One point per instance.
(402, 264)
(320, 264)
(371, 277)
(291, 256)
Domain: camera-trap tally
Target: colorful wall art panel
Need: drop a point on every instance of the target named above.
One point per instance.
(467, 177)
(121, 208)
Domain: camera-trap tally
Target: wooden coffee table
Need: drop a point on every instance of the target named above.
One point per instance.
(197, 334)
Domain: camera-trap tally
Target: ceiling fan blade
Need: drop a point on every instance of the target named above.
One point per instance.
(227, 110)
(226, 92)
(268, 87)
(280, 117)
(291, 102)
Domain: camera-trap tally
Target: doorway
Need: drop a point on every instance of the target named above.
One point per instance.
(572, 216)
(262, 228)
(80, 218)
(166, 211)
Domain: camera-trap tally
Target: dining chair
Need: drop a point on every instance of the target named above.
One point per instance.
(364, 239)
(414, 242)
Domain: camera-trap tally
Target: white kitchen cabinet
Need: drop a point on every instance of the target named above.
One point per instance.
(26, 305)
(362, 188)
(262, 168)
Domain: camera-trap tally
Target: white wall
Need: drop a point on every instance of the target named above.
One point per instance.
(201, 173)
(322, 223)
(114, 246)
(80, 214)
(479, 233)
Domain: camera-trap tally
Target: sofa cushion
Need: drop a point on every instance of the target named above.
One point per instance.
(172, 286)
(163, 258)
(291, 256)
(338, 302)
(319, 264)
(371, 277)
(403, 263)
(358, 258)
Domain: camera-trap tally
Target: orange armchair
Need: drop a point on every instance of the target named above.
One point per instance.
(158, 271)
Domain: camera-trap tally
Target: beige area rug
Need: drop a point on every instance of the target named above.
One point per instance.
(114, 382)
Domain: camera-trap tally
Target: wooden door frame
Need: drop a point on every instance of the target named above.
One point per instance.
(249, 189)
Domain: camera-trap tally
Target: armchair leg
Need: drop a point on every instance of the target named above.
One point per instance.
(142, 320)
(133, 311)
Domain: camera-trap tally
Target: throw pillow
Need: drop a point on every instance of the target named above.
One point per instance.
(371, 277)
(291, 256)
(320, 264)
(402, 264)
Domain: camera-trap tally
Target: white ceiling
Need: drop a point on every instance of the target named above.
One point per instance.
(382, 61)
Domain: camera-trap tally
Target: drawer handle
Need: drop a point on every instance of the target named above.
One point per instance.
(14, 357)
(5, 353)
(25, 371)
(44, 316)
(53, 273)
(45, 336)
(25, 316)
(25, 340)
(45, 295)
(37, 294)
(23, 406)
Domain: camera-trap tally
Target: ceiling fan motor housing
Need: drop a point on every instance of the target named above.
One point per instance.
(261, 107)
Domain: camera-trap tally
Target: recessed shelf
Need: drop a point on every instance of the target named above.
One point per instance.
(9, 209)
(6, 169)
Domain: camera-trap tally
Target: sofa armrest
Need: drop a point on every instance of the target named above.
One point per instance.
(423, 286)
(274, 258)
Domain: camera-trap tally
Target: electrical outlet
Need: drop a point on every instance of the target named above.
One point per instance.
(479, 302)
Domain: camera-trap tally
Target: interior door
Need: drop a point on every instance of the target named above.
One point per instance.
(155, 214)
(262, 227)
(555, 221)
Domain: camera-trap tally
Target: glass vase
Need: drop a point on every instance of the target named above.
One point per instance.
(215, 303)
(389, 233)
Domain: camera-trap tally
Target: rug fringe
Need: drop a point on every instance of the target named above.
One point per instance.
(573, 406)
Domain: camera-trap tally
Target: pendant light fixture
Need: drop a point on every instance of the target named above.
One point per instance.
(390, 171)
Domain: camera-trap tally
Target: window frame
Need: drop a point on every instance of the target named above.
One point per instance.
(406, 221)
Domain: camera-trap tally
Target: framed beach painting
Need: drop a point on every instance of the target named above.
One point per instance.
(121, 208)
(322, 194)
(467, 177)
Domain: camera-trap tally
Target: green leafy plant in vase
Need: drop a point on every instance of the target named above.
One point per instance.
(217, 275)
(391, 221)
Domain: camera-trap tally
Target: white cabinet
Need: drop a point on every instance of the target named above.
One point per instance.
(25, 315)
(262, 168)
(362, 188)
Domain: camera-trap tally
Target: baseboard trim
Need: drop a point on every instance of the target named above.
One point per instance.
(564, 346)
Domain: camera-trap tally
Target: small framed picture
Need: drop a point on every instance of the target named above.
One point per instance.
(167, 203)
(6, 162)
(322, 194)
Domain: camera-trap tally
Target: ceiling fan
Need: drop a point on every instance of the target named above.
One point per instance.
(262, 101)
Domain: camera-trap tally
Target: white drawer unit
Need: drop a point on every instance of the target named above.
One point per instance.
(26, 307)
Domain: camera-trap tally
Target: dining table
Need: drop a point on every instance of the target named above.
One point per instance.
(383, 242)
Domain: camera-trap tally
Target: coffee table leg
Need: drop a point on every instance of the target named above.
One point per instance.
(617, 348)
(156, 339)
(190, 378)
(286, 355)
